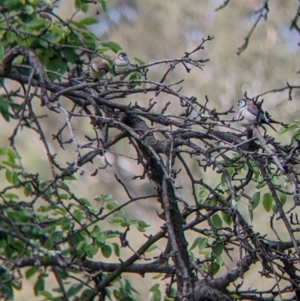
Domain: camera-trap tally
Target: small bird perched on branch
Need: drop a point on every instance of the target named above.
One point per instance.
(121, 63)
(98, 67)
(250, 114)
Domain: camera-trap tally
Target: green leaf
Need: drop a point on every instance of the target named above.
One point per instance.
(56, 236)
(11, 155)
(64, 186)
(227, 218)
(39, 286)
(151, 248)
(158, 276)
(255, 199)
(101, 238)
(216, 221)
(63, 196)
(117, 249)
(88, 21)
(3, 151)
(66, 224)
(202, 243)
(195, 243)
(30, 272)
(78, 4)
(141, 226)
(4, 109)
(27, 190)
(78, 215)
(261, 185)
(80, 245)
(47, 295)
(103, 4)
(11, 164)
(8, 175)
(106, 251)
(112, 235)
(155, 296)
(7, 289)
(112, 45)
(217, 250)
(10, 196)
(58, 66)
(250, 210)
(69, 178)
(282, 198)
(139, 61)
(290, 127)
(29, 9)
(267, 201)
(202, 192)
(214, 268)
(275, 208)
(70, 55)
(85, 201)
(11, 37)
(36, 24)
(74, 289)
(112, 205)
(84, 8)
(2, 51)
(296, 134)
(154, 287)
(96, 231)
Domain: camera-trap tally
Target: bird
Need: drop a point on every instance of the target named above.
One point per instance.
(121, 63)
(98, 67)
(250, 114)
(264, 117)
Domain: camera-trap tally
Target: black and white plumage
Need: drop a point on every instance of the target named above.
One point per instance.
(121, 63)
(98, 67)
(249, 114)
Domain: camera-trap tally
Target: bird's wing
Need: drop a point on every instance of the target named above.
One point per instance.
(252, 108)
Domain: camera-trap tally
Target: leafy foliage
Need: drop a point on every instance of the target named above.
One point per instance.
(50, 225)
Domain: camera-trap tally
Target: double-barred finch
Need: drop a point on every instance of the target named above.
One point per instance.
(264, 117)
(250, 114)
(121, 63)
(98, 67)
